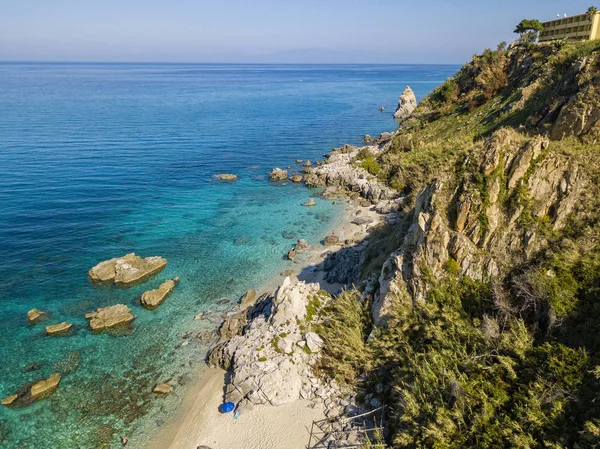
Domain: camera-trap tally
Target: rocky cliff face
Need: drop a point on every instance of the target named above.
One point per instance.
(406, 104)
(475, 226)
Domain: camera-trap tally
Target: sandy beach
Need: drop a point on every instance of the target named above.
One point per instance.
(198, 422)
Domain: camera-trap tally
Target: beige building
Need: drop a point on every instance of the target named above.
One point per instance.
(575, 28)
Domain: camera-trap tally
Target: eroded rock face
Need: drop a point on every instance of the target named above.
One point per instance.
(480, 237)
(108, 317)
(277, 174)
(154, 298)
(127, 270)
(406, 104)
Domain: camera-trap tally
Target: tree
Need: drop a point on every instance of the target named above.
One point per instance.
(529, 30)
(592, 10)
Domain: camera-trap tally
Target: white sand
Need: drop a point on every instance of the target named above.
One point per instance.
(263, 427)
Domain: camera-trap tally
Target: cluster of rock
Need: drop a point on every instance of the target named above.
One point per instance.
(127, 270)
(277, 174)
(121, 271)
(268, 349)
(341, 172)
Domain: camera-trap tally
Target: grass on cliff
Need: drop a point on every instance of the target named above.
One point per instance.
(511, 362)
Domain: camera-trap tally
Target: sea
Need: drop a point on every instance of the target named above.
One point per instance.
(99, 160)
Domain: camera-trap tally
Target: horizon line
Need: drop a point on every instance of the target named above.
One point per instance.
(224, 63)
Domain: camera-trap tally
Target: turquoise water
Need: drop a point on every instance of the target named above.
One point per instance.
(98, 160)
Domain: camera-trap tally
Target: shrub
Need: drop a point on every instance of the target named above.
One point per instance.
(371, 165)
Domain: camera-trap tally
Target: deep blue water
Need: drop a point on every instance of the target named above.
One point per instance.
(98, 160)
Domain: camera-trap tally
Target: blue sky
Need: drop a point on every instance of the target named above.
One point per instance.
(394, 31)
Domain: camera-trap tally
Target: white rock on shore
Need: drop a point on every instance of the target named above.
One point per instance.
(406, 104)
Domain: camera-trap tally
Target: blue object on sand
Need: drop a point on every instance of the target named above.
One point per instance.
(227, 407)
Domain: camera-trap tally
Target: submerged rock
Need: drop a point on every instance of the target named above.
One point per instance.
(278, 174)
(58, 329)
(227, 177)
(107, 317)
(34, 315)
(310, 202)
(154, 298)
(127, 269)
(406, 104)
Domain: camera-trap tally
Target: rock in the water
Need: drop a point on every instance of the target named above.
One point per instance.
(278, 174)
(302, 246)
(331, 240)
(45, 387)
(406, 104)
(111, 316)
(127, 269)
(363, 220)
(227, 177)
(163, 389)
(34, 315)
(291, 255)
(9, 400)
(310, 202)
(368, 139)
(313, 341)
(58, 329)
(296, 178)
(249, 299)
(154, 298)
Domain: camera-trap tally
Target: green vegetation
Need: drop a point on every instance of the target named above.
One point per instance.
(371, 165)
(529, 30)
(512, 361)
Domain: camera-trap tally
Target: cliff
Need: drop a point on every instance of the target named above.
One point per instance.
(482, 286)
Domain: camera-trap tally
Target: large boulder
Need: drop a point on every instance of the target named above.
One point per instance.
(127, 269)
(112, 316)
(278, 174)
(154, 298)
(406, 104)
(34, 315)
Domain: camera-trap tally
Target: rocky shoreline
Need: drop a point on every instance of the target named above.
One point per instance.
(268, 344)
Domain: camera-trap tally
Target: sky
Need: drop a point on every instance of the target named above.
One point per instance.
(277, 31)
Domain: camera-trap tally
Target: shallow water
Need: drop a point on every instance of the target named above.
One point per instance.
(98, 160)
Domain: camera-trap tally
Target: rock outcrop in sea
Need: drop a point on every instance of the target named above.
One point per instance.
(406, 104)
(127, 270)
(109, 317)
(154, 298)
(277, 174)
